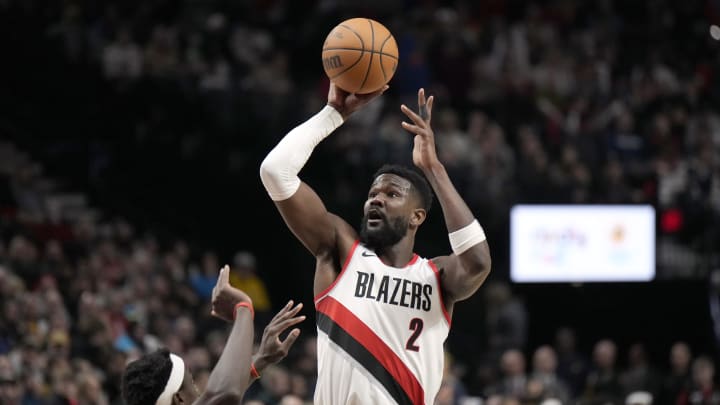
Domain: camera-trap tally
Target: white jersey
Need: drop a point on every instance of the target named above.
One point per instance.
(381, 332)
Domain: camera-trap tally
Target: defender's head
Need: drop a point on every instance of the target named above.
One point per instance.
(159, 378)
(398, 202)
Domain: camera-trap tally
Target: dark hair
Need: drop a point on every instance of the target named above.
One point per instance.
(418, 181)
(145, 378)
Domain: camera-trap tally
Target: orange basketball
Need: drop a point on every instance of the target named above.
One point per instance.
(360, 55)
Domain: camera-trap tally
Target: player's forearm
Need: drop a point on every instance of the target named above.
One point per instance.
(232, 371)
(279, 170)
(456, 212)
(467, 237)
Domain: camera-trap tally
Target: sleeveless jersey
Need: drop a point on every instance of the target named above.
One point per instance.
(381, 332)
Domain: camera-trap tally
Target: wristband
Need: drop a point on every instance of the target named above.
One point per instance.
(246, 305)
(467, 237)
(253, 371)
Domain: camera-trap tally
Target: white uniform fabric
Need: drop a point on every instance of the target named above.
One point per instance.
(381, 332)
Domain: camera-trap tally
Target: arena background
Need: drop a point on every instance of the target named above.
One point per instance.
(173, 145)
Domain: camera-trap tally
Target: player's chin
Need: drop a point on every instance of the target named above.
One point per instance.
(372, 232)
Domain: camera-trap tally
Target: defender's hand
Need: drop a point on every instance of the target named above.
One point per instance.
(272, 349)
(225, 296)
(347, 103)
(424, 153)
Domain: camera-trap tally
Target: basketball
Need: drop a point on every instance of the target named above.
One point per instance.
(360, 55)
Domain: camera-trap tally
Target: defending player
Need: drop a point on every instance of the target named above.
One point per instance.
(383, 312)
(161, 377)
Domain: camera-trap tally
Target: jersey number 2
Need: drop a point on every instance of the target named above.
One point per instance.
(416, 325)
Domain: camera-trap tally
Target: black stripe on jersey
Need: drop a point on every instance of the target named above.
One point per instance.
(352, 347)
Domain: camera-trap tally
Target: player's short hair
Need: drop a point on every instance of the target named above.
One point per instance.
(418, 181)
(145, 378)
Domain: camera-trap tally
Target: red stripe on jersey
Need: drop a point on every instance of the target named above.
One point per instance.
(413, 260)
(356, 328)
(337, 279)
(440, 292)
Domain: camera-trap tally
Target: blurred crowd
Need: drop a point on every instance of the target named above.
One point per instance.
(81, 295)
(537, 101)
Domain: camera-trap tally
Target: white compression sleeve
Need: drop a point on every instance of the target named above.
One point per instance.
(467, 237)
(279, 171)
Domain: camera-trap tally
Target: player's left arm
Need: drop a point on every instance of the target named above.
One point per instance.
(464, 271)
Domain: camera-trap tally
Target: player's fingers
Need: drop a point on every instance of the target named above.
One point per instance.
(429, 108)
(414, 129)
(224, 278)
(287, 313)
(289, 340)
(282, 311)
(412, 115)
(281, 326)
(381, 91)
(421, 98)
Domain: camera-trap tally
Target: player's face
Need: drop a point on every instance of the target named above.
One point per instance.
(386, 211)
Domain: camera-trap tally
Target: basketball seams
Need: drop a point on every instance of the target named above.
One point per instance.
(372, 40)
(362, 51)
(382, 67)
(387, 55)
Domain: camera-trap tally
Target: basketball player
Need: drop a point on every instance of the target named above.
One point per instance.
(161, 377)
(383, 313)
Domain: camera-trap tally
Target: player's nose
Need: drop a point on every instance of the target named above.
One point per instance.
(377, 201)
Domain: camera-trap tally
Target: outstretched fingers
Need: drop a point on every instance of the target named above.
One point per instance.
(224, 278)
(286, 318)
(414, 129)
(290, 340)
(419, 122)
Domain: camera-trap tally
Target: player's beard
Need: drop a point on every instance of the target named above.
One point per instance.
(389, 233)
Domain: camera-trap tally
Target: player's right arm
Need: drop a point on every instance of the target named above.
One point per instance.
(228, 379)
(302, 209)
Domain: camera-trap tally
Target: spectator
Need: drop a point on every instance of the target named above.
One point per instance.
(704, 390)
(514, 380)
(640, 375)
(603, 383)
(122, 59)
(203, 280)
(245, 277)
(572, 365)
(506, 318)
(678, 380)
(544, 372)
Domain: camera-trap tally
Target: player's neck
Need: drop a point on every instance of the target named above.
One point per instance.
(397, 255)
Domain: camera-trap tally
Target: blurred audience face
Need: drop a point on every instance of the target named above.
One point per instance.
(703, 372)
(11, 392)
(680, 357)
(545, 360)
(604, 354)
(636, 355)
(276, 380)
(513, 363)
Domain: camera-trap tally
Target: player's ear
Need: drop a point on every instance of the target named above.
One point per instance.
(178, 399)
(418, 217)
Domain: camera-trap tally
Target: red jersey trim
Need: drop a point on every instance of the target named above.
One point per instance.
(326, 291)
(440, 292)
